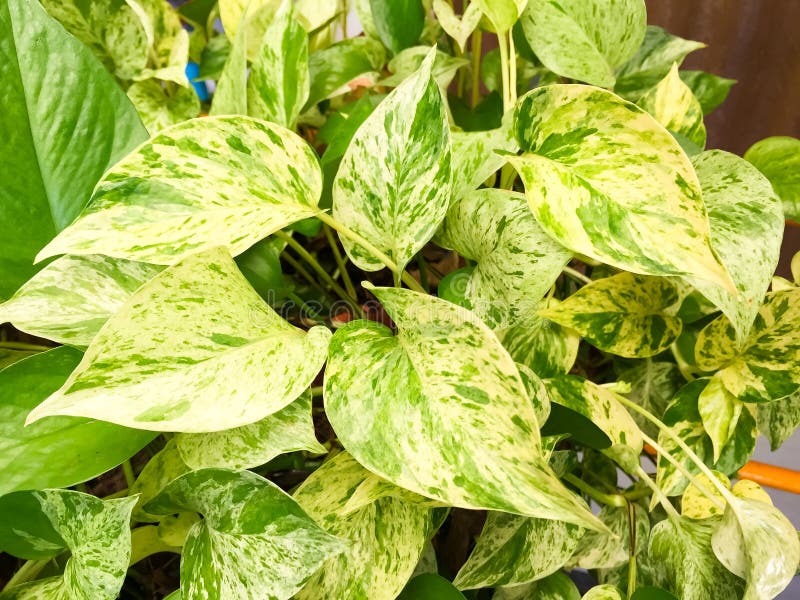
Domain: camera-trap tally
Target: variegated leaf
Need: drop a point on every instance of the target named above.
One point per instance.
(517, 262)
(166, 465)
(232, 13)
(673, 105)
(758, 543)
(386, 535)
(557, 586)
(462, 428)
(394, 184)
(228, 359)
(652, 385)
(508, 551)
(409, 60)
(44, 523)
(695, 504)
(719, 411)
(537, 393)
(778, 420)
(606, 550)
(203, 183)
(160, 108)
(683, 418)
(585, 40)
(625, 314)
(458, 28)
(607, 181)
(680, 551)
(230, 95)
(652, 61)
(779, 159)
(746, 231)
(168, 41)
(71, 298)
(766, 367)
(278, 85)
(475, 158)
(247, 522)
(600, 406)
(603, 592)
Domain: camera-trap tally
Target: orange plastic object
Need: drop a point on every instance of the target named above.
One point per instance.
(777, 478)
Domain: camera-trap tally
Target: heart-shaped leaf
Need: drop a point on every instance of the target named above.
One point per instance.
(229, 359)
(719, 411)
(462, 428)
(203, 183)
(458, 28)
(778, 420)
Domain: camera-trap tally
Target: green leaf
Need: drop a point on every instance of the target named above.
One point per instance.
(279, 85)
(247, 521)
(386, 533)
(213, 59)
(746, 231)
(651, 593)
(673, 105)
(230, 95)
(340, 127)
(756, 542)
(71, 298)
(169, 41)
(462, 427)
(458, 28)
(160, 108)
(565, 422)
(112, 29)
(695, 504)
(517, 262)
(557, 586)
(430, 586)
(398, 23)
(709, 89)
(652, 61)
(9, 356)
(626, 314)
(779, 159)
(203, 183)
(41, 524)
(585, 40)
(59, 452)
(394, 184)
(336, 70)
(603, 592)
(653, 384)
(508, 551)
(607, 181)
(684, 564)
(683, 418)
(600, 405)
(719, 411)
(409, 60)
(71, 121)
(609, 549)
(502, 13)
(474, 158)
(778, 420)
(224, 363)
(765, 368)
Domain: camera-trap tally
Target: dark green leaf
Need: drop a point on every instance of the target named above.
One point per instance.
(709, 89)
(399, 23)
(430, 586)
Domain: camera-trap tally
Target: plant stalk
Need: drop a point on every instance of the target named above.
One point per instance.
(340, 261)
(577, 275)
(475, 46)
(609, 499)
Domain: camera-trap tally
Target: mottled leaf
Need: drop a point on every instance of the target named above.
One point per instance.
(247, 521)
(695, 504)
(779, 159)
(585, 40)
(409, 60)
(440, 409)
(386, 534)
(339, 69)
(230, 95)
(458, 28)
(508, 551)
(394, 184)
(625, 314)
(474, 158)
(719, 411)
(709, 89)
(652, 385)
(516, 262)
(606, 550)
(203, 183)
(159, 107)
(778, 420)
(607, 181)
(673, 104)
(59, 452)
(557, 586)
(223, 363)
(43, 523)
(168, 41)
(71, 298)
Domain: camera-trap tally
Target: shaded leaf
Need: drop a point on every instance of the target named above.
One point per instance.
(474, 157)
(430, 586)
(398, 23)
(557, 586)
(779, 159)
(719, 411)
(779, 419)
(709, 89)
(606, 550)
(653, 384)
(409, 60)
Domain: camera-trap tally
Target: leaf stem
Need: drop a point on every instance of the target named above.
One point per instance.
(127, 470)
(643, 476)
(345, 231)
(594, 493)
(475, 47)
(340, 261)
(24, 346)
(27, 572)
(631, 550)
(512, 69)
(577, 275)
(504, 71)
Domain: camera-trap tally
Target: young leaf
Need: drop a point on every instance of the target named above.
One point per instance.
(71, 121)
(585, 40)
(203, 183)
(337, 69)
(507, 551)
(557, 586)
(719, 411)
(58, 452)
(746, 231)
(502, 14)
(779, 419)
(278, 86)
(745, 542)
(625, 314)
(440, 409)
(779, 159)
(247, 522)
(653, 384)
(44, 523)
(684, 564)
(765, 368)
(160, 108)
(607, 181)
(458, 28)
(709, 89)
(69, 300)
(673, 105)
(394, 184)
(229, 359)
(398, 23)
(517, 262)
(609, 549)
(386, 534)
